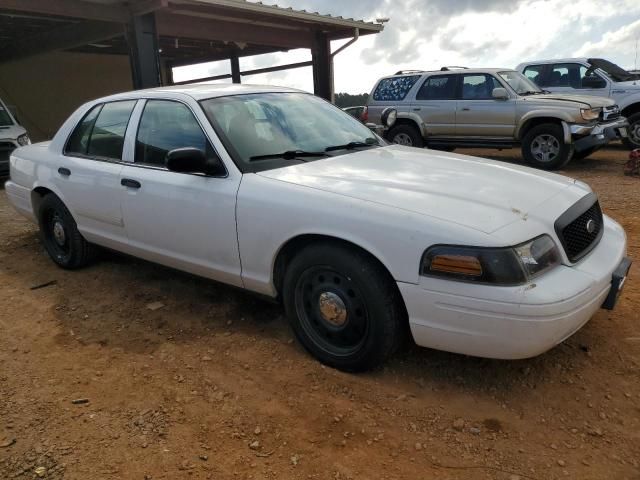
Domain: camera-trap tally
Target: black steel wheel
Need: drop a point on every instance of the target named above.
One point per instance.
(343, 306)
(60, 236)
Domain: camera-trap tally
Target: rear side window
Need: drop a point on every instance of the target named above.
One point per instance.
(166, 125)
(107, 135)
(534, 73)
(439, 87)
(394, 89)
(101, 132)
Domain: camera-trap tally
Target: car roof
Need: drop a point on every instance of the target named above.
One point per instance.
(556, 60)
(452, 70)
(201, 91)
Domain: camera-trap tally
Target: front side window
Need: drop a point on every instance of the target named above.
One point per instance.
(100, 134)
(253, 126)
(395, 88)
(439, 87)
(478, 87)
(166, 125)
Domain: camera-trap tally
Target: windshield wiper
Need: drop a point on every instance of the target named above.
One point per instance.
(288, 155)
(369, 142)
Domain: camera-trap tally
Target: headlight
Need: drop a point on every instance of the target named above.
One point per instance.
(496, 266)
(590, 113)
(24, 140)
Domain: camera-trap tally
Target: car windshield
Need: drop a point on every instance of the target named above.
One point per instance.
(271, 130)
(614, 72)
(520, 84)
(5, 118)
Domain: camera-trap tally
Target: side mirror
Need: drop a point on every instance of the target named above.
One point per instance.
(191, 160)
(593, 81)
(500, 94)
(389, 117)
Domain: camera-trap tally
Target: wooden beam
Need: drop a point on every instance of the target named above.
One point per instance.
(69, 36)
(246, 73)
(185, 26)
(69, 8)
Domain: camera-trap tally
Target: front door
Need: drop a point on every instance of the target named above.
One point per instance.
(87, 173)
(480, 115)
(182, 220)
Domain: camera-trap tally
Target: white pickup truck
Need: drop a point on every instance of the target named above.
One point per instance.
(12, 135)
(591, 76)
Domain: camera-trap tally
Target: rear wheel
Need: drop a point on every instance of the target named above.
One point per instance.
(60, 236)
(633, 134)
(543, 147)
(343, 307)
(405, 135)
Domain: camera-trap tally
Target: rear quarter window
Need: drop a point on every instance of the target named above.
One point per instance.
(395, 88)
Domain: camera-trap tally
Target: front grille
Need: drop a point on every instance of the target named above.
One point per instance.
(580, 227)
(610, 113)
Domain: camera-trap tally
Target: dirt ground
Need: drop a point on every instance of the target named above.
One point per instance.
(128, 370)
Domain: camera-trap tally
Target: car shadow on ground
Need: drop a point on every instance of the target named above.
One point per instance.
(138, 307)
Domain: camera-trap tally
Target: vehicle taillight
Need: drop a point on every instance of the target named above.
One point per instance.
(364, 116)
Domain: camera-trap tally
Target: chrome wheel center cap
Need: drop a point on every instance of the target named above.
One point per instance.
(332, 309)
(58, 233)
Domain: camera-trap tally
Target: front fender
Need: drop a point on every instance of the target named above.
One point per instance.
(551, 115)
(629, 100)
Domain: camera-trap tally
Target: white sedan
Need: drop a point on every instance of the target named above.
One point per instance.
(278, 192)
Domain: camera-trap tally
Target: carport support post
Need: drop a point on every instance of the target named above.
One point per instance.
(322, 66)
(235, 69)
(142, 38)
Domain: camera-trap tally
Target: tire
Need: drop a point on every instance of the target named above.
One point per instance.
(60, 236)
(406, 135)
(543, 147)
(343, 307)
(633, 133)
(584, 153)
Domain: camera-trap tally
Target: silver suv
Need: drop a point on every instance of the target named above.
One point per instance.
(495, 108)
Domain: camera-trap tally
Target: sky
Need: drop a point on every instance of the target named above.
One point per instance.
(428, 34)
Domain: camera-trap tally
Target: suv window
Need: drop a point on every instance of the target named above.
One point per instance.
(438, 87)
(478, 86)
(164, 126)
(568, 75)
(535, 74)
(395, 88)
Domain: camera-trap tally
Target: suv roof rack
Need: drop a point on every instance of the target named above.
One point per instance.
(404, 72)
(446, 69)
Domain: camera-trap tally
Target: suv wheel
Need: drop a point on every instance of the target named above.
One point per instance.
(543, 147)
(405, 135)
(633, 134)
(343, 307)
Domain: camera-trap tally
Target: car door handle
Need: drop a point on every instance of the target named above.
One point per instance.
(466, 109)
(129, 183)
(417, 109)
(65, 172)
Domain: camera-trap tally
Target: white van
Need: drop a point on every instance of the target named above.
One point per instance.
(12, 136)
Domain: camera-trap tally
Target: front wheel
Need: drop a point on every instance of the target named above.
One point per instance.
(343, 307)
(543, 147)
(632, 141)
(60, 236)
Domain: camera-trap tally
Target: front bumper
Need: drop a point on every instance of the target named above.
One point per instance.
(6, 147)
(514, 322)
(597, 135)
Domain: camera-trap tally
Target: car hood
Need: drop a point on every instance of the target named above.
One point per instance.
(11, 132)
(474, 192)
(589, 101)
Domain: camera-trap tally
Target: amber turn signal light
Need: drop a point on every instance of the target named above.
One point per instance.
(458, 264)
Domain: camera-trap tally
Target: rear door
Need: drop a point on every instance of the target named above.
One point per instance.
(479, 115)
(183, 220)
(435, 104)
(87, 172)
